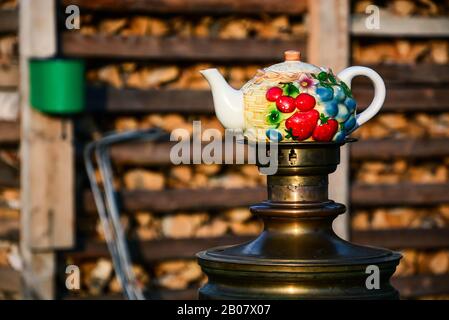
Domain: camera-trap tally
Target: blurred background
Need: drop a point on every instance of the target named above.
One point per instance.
(142, 60)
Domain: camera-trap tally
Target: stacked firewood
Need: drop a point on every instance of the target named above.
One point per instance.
(133, 75)
(400, 217)
(99, 277)
(401, 51)
(400, 170)
(406, 8)
(193, 177)
(418, 125)
(146, 226)
(423, 262)
(227, 27)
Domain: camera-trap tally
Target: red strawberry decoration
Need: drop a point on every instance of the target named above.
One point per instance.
(305, 102)
(273, 94)
(300, 125)
(326, 130)
(285, 104)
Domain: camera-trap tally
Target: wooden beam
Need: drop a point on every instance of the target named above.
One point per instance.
(421, 285)
(407, 74)
(162, 249)
(399, 194)
(404, 148)
(184, 199)
(403, 99)
(105, 99)
(180, 49)
(8, 21)
(194, 6)
(396, 26)
(328, 45)
(47, 194)
(435, 238)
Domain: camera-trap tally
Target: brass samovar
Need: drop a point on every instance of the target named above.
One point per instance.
(298, 255)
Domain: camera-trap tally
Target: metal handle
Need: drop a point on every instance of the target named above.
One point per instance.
(109, 213)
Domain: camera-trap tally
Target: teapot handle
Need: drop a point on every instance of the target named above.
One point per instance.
(379, 91)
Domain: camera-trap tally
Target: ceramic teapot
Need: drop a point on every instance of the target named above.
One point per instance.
(294, 101)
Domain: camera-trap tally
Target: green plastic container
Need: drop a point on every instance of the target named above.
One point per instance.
(57, 86)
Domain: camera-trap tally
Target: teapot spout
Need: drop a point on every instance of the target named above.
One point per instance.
(228, 102)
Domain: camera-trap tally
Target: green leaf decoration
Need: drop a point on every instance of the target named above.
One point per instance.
(290, 134)
(332, 79)
(273, 117)
(322, 76)
(291, 90)
(323, 118)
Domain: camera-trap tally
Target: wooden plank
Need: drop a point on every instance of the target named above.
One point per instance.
(421, 285)
(184, 199)
(396, 26)
(194, 6)
(407, 74)
(106, 99)
(9, 77)
(330, 17)
(434, 238)
(9, 133)
(9, 21)
(399, 194)
(46, 162)
(405, 100)
(9, 279)
(169, 49)
(405, 148)
(153, 154)
(162, 249)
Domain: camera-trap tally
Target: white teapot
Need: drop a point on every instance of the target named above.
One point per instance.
(294, 101)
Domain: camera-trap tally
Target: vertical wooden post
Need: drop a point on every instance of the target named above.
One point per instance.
(328, 45)
(47, 175)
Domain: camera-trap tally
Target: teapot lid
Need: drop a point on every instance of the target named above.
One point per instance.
(293, 64)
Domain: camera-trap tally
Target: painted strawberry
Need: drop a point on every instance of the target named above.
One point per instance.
(273, 94)
(326, 130)
(300, 125)
(305, 102)
(285, 104)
